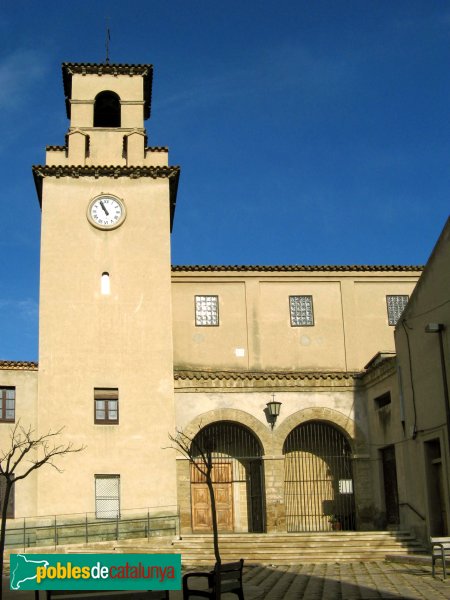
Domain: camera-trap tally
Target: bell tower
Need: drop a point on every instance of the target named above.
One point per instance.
(105, 328)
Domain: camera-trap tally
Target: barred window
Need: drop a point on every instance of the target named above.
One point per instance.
(206, 311)
(7, 404)
(107, 496)
(301, 308)
(106, 410)
(395, 307)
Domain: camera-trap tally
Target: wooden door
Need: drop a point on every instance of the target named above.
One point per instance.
(223, 494)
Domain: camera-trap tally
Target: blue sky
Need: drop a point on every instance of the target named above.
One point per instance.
(308, 132)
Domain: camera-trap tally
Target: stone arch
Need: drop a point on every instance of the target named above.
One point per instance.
(240, 417)
(237, 472)
(351, 430)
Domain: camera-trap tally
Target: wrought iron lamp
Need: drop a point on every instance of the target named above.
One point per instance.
(273, 410)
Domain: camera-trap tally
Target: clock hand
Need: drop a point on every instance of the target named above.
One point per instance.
(104, 208)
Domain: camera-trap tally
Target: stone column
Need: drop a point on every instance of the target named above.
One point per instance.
(274, 488)
(366, 514)
(184, 494)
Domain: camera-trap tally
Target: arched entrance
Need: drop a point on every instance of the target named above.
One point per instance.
(318, 479)
(238, 479)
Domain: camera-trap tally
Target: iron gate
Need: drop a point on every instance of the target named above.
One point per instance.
(318, 479)
(234, 447)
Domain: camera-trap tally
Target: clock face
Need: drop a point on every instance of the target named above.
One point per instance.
(106, 212)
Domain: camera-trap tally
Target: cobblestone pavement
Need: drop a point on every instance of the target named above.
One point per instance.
(338, 581)
(347, 581)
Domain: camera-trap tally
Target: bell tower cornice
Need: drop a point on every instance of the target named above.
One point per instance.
(40, 172)
(115, 69)
(107, 105)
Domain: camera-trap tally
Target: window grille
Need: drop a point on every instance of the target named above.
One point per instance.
(7, 404)
(206, 311)
(107, 496)
(395, 307)
(301, 309)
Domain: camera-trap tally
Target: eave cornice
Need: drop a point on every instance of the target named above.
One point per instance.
(295, 268)
(40, 172)
(22, 365)
(387, 367)
(191, 379)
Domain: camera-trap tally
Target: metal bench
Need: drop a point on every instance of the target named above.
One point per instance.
(440, 549)
(120, 595)
(225, 578)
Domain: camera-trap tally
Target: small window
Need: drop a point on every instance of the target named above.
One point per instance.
(395, 307)
(301, 309)
(382, 400)
(105, 285)
(7, 404)
(106, 406)
(107, 110)
(206, 311)
(107, 496)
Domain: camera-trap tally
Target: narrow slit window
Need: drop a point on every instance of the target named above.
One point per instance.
(105, 284)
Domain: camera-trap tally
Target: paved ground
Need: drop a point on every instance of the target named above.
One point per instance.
(339, 581)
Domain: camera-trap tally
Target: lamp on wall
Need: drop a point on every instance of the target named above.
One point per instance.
(272, 411)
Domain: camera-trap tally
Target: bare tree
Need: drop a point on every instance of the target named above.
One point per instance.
(200, 455)
(26, 453)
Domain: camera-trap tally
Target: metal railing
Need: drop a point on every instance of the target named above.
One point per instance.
(84, 528)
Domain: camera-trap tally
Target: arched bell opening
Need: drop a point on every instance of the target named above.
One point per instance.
(107, 110)
(237, 476)
(318, 480)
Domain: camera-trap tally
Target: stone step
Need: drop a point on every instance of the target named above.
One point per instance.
(269, 549)
(291, 536)
(294, 548)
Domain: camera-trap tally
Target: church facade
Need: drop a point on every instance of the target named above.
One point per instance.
(132, 349)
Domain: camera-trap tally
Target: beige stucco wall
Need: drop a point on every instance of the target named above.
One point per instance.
(350, 319)
(416, 415)
(25, 381)
(86, 87)
(422, 378)
(198, 405)
(122, 340)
